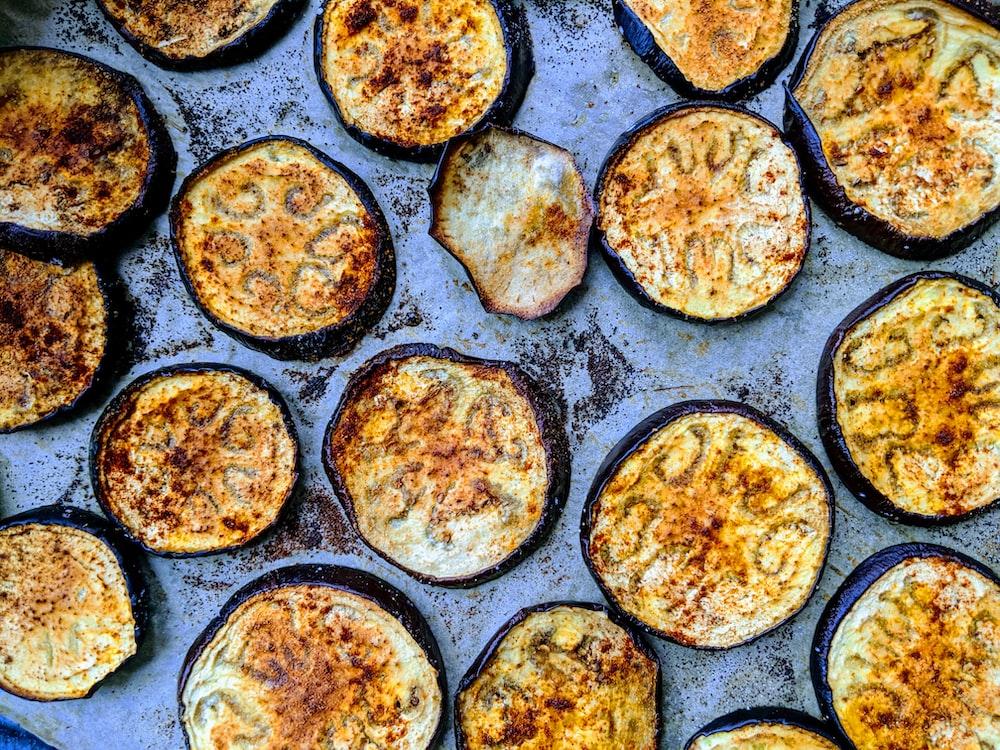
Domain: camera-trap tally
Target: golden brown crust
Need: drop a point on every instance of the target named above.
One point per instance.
(763, 736)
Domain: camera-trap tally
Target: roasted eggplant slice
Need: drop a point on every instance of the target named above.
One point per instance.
(85, 160)
(708, 524)
(767, 727)
(561, 676)
(907, 399)
(404, 78)
(905, 655)
(450, 467)
(284, 248)
(314, 656)
(74, 604)
(894, 109)
(193, 459)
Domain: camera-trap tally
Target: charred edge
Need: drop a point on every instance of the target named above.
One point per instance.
(767, 715)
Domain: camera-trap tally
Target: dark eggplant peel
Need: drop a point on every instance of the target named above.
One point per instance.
(85, 160)
(765, 728)
(905, 655)
(561, 676)
(193, 459)
(284, 248)
(74, 605)
(708, 524)
(450, 467)
(701, 212)
(313, 656)
(907, 399)
(895, 109)
(515, 212)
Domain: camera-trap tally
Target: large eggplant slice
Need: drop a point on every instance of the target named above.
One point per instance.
(708, 524)
(194, 459)
(905, 654)
(515, 212)
(766, 727)
(85, 160)
(907, 399)
(284, 248)
(405, 78)
(316, 656)
(561, 676)
(701, 212)
(74, 606)
(450, 467)
(893, 108)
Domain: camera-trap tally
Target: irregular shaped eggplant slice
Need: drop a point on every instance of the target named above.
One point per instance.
(450, 467)
(907, 399)
(561, 676)
(895, 109)
(911, 634)
(701, 212)
(85, 160)
(194, 459)
(75, 603)
(766, 727)
(515, 212)
(284, 248)
(314, 655)
(708, 524)
(404, 78)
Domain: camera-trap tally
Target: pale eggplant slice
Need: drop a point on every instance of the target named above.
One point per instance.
(767, 727)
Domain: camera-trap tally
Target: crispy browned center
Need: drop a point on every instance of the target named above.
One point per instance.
(764, 736)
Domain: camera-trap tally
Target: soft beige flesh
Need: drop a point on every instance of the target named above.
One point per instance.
(764, 736)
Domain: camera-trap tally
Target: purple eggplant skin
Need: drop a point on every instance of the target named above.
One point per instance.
(642, 432)
(520, 70)
(621, 272)
(554, 440)
(767, 715)
(332, 341)
(826, 406)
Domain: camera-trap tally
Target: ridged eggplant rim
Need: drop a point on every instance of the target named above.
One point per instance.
(330, 341)
(489, 650)
(129, 562)
(635, 439)
(66, 248)
(852, 589)
(553, 436)
(827, 191)
(341, 578)
(746, 717)
(115, 406)
(826, 405)
(618, 268)
(520, 70)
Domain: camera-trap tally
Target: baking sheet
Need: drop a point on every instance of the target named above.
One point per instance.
(612, 362)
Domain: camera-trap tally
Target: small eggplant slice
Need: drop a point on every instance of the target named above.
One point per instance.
(74, 605)
(194, 459)
(708, 524)
(908, 399)
(405, 77)
(85, 160)
(313, 656)
(515, 212)
(284, 248)
(766, 727)
(450, 467)
(701, 212)
(893, 108)
(905, 654)
(561, 676)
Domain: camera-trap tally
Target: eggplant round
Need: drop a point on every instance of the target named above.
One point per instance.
(404, 80)
(86, 161)
(890, 109)
(314, 652)
(723, 515)
(284, 248)
(561, 676)
(194, 459)
(907, 399)
(765, 727)
(726, 229)
(905, 653)
(75, 604)
(452, 468)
